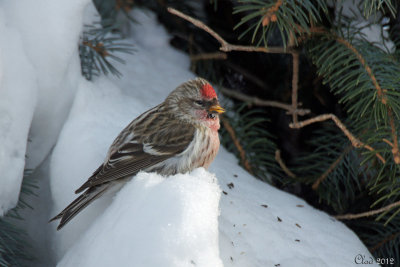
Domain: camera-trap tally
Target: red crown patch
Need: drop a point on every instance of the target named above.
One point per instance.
(208, 91)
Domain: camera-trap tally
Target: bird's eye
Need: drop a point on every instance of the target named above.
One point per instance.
(199, 102)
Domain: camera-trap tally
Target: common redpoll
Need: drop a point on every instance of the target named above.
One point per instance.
(177, 136)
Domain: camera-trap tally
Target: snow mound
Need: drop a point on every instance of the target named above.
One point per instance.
(260, 225)
(17, 104)
(155, 221)
(39, 71)
(50, 32)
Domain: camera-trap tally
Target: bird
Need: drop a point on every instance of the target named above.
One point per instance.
(176, 136)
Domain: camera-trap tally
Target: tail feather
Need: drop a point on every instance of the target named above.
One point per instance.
(79, 204)
(88, 182)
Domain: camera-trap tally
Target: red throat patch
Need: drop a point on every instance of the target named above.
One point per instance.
(207, 91)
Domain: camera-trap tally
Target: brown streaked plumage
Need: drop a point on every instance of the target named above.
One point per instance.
(176, 136)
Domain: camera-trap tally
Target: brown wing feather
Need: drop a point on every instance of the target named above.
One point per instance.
(131, 157)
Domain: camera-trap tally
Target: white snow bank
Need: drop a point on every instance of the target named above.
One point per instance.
(39, 71)
(17, 103)
(260, 225)
(50, 32)
(155, 221)
(134, 231)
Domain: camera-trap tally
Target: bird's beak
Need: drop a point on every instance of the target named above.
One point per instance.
(216, 109)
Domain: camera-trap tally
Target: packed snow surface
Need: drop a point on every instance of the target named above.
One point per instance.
(39, 71)
(181, 213)
(17, 103)
(217, 217)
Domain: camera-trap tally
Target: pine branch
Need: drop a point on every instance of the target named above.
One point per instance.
(208, 56)
(380, 92)
(252, 100)
(98, 47)
(225, 46)
(295, 83)
(332, 72)
(357, 143)
(395, 146)
(345, 182)
(270, 15)
(263, 17)
(384, 241)
(330, 169)
(239, 147)
(283, 165)
(351, 216)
